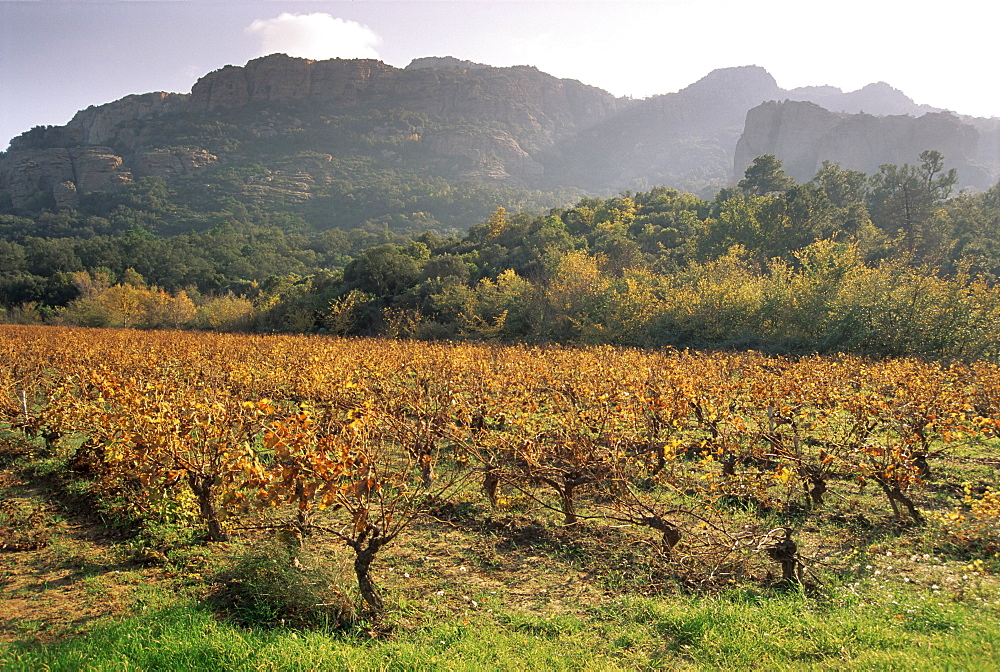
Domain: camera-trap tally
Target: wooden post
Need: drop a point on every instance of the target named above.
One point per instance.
(24, 404)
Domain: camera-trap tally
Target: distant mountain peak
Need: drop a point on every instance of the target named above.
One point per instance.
(461, 121)
(442, 62)
(879, 86)
(822, 90)
(747, 85)
(878, 99)
(743, 76)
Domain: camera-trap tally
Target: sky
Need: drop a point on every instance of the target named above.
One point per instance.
(60, 56)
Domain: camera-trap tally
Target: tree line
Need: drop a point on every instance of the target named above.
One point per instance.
(890, 263)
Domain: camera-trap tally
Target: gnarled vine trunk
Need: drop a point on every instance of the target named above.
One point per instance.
(203, 488)
(366, 546)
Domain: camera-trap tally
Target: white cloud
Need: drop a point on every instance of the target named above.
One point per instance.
(317, 36)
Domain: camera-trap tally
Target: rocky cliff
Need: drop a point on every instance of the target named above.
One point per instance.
(803, 135)
(486, 123)
(445, 88)
(461, 121)
(63, 173)
(684, 139)
(280, 78)
(119, 124)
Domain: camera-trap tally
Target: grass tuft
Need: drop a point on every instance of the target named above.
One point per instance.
(273, 585)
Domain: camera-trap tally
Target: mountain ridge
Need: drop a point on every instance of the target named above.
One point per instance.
(804, 135)
(440, 116)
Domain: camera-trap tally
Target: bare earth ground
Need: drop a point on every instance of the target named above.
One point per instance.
(53, 573)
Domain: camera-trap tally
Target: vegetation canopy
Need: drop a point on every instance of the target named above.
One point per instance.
(890, 264)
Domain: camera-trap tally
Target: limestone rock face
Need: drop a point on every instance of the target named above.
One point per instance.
(518, 111)
(221, 88)
(114, 124)
(444, 62)
(344, 82)
(167, 163)
(282, 78)
(538, 107)
(790, 131)
(865, 140)
(61, 172)
(803, 135)
(33, 172)
(66, 195)
(520, 95)
(98, 169)
(495, 156)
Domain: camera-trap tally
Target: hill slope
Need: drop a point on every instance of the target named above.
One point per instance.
(348, 143)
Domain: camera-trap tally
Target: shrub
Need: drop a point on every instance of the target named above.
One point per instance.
(273, 585)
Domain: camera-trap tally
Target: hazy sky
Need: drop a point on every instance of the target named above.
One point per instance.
(59, 56)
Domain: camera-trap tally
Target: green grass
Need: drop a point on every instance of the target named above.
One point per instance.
(860, 627)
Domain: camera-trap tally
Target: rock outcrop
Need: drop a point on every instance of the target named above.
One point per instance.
(459, 120)
(541, 107)
(65, 194)
(803, 135)
(489, 123)
(516, 112)
(169, 162)
(62, 173)
(440, 62)
(788, 130)
(117, 124)
(490, 156)
(26, 174)
(100, 149)
(282, 78)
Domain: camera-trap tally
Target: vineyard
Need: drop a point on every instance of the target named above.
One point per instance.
(708, 470)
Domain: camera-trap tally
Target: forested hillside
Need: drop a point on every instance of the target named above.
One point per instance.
(890, 263)
(455, 200)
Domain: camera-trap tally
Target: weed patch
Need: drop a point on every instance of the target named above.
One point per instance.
(271, 585)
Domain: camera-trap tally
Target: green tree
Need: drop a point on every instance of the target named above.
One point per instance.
(386, 270)
(843, 188)
(765, 176)
(937, 181)
(905, 203)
